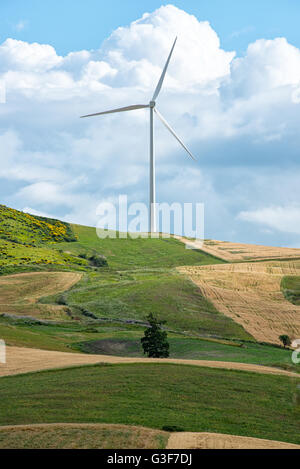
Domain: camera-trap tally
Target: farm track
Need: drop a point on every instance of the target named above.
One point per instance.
(25, 360)
(250, 294)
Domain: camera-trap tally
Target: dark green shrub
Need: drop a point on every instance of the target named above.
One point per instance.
(172, 428)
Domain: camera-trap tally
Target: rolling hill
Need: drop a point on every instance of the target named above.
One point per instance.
(63, 289)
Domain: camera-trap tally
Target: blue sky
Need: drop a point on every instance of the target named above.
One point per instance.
(71, 25)
(232, 92)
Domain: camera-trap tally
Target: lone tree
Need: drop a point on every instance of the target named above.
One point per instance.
(155, 342)
(285, 340)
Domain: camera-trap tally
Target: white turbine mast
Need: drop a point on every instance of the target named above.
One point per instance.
(152, 107)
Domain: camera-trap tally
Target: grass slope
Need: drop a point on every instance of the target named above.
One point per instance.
(124, 340)
(133, 294)
(128, 253)
(82, 437)
(26, 243)
(290, 287)
(140, 276)
(26, 229)
(195, 399)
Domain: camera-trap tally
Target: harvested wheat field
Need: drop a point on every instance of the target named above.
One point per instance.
(25, 360)
(189, 440)
(250, 294)
(81, 436)
(237, 252)
(20, 292)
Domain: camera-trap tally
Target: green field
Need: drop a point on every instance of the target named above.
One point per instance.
(74, 436)
(134, 294)
(290, 286)
(104, 313)
(131, 254)
(192, 398)
(124, 340)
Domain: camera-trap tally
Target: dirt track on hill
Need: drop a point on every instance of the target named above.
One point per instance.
(26, 360)
(250, 294)
(187, 440)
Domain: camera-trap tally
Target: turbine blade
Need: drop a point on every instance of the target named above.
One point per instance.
(173, 133)
(161, 80)
(120, 109)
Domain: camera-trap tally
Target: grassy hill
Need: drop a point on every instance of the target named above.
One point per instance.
(29, 230)
(26, 243)
(124, 279)
(81, 293)
(29, 243)
(191, 398)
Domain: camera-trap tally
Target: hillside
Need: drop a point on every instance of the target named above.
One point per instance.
(250, 294)
(69, 291)
(239, 252)
(26, 243)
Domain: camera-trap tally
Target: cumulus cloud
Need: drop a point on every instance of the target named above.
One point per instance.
(20, 55)
(268, 64)
(239, 115)
(285, 219)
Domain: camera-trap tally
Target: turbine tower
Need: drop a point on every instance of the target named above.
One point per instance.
(153, 109)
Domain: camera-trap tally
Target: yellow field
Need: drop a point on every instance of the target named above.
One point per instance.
(250, 294)
(26, 360)
(187, 440)
(236, 252)
(20, 292)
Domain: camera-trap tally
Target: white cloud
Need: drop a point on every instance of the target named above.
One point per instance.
(20, 55)
(285, 219)
(32, 211)
(20, 25)
(268, 64)
(238, 115)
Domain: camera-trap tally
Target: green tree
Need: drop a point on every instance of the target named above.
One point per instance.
(285, 340)
(155, 342)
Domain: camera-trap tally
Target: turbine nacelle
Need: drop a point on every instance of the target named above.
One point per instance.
(152, 104)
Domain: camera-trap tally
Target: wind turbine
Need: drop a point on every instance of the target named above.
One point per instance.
(153, 109)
